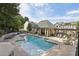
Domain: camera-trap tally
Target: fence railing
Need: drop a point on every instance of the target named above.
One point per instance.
(77, 48)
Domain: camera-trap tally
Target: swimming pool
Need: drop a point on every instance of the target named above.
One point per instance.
(35, 45)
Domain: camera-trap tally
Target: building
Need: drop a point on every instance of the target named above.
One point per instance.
(34, 27)
(26, 25)
(64, 29)
(46, 28)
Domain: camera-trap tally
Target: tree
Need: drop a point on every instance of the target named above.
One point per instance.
(21, 20)
(8, 9)
(10, 19)
(16, 23)
(26, 19)
(7, 13)
(77, 24)
(29, 28)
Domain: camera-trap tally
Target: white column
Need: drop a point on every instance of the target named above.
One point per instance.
(45, 31)
(40, 31)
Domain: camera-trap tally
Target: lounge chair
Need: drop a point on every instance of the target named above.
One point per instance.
(9, 36)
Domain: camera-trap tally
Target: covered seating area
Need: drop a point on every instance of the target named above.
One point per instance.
(46, 28)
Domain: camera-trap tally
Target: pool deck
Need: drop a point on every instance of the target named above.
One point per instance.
(6, 48)
(60, 50)
(64, 50)
(18, 51)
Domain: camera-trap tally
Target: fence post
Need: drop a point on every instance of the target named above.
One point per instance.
(77, 48)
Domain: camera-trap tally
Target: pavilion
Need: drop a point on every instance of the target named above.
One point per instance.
(46, 28)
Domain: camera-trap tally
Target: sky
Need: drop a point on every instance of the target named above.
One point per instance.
(54, 12)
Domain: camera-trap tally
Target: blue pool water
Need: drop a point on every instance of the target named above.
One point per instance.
(35, 45)
(40, 42)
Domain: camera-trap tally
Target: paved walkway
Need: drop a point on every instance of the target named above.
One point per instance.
(6, 48)
(18, 51)
(63, 50)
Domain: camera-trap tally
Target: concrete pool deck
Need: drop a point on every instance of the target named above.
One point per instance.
(61, 50)
(64, 50)
(6, 48)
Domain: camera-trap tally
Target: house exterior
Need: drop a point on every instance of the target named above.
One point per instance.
(65, 26)
(34, 27)
(26, 25)
(45, 28)
(64, 29)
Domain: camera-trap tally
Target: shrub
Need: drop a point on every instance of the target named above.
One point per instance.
(2, 32)
(29, 28)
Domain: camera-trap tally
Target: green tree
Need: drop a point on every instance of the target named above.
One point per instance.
(9, 9)
(17, 23)
(7, 13)
(77, 24)
(21, 20)
(10, 19)
(26, 19)
(29, 28)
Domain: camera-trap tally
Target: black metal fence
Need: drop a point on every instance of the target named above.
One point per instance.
(77, 49)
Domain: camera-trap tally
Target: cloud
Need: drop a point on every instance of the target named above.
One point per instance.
(38, 4)
(64, 17)
(23, 9)
(37, 12)
(60, 19)
(73, 12)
